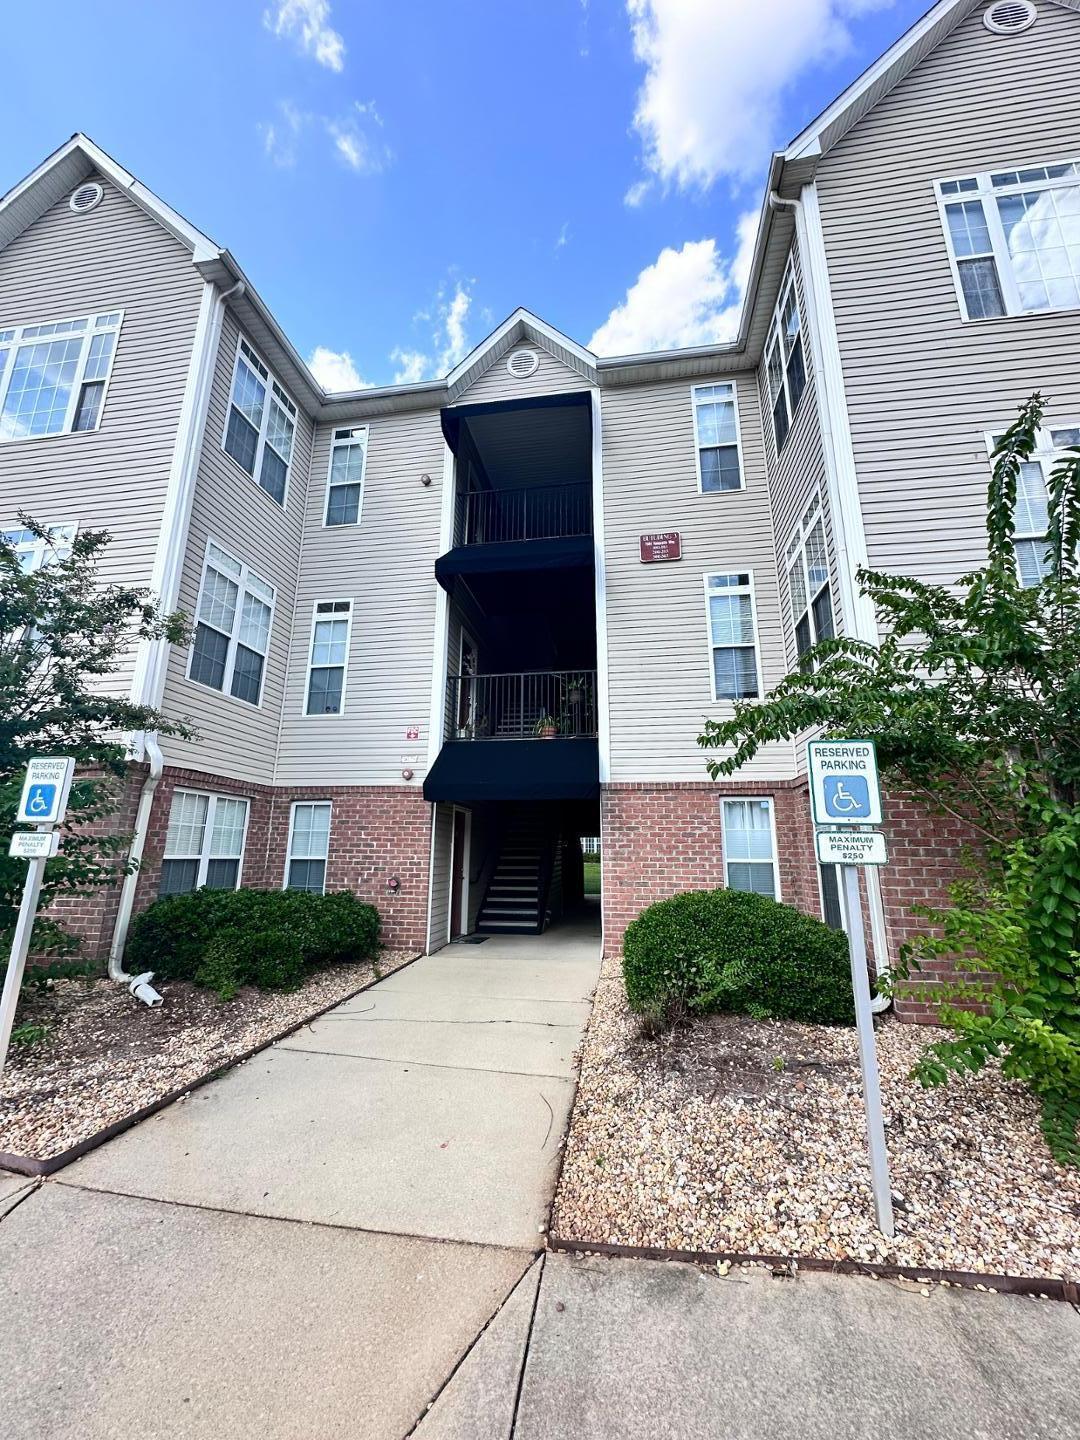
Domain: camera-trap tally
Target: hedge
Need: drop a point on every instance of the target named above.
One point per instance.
(228, 938)
(730, 950)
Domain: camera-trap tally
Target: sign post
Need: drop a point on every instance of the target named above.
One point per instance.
(844, 792)
(43, 803)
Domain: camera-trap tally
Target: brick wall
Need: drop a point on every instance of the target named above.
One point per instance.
(377, 832)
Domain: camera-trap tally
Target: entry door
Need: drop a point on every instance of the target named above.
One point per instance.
(459, 863)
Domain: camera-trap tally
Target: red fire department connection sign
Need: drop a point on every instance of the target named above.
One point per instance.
(666, 545)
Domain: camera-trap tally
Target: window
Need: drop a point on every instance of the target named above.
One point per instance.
(32, 551)
(808, 582)
(261, 425)
(53, 377)
(204, 844)
(1014, 239)
(729, 601)
(309, 844)
(749, 839)
(345, 484)
(784, 363)
(329, 657)
(716, 435)
(832, 905)
(1032, 496)
(232, 630)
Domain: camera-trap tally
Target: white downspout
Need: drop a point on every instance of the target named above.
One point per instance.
(854, 608)
(139, 985)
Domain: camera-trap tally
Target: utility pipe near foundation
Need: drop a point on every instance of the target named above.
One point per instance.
(139, 985)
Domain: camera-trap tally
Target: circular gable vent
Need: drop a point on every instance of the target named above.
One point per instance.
(523, 363)
(86, 197)
(1009, 17)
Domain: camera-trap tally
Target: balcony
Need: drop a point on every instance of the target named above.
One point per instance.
(535, 512)
(524, 705)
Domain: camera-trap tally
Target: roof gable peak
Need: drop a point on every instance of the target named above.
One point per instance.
(520, 327)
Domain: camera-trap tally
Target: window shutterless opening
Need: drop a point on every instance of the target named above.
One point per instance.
(785, 365)
(309, 846)
(205, 842)
(808, 582)
(1030, 518)
(329, 657)
(261, 424)
(716, 437)
(345, 478)
(53, 376)
(731, 616)
(233, 621)
(748, 836)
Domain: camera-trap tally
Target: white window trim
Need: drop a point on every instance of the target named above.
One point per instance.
(1006, 280)
(40, 548)
(348, 617)
(796, 551)
(1046, 453)
(774, 338)
(356, 430)
(725, 800)
(261, 443)
(230, 655)
(713, 385)
(205, 857)
(288, 848)
(77, 384)
(751, 590)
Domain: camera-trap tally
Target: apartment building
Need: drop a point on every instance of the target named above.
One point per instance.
(442, 630)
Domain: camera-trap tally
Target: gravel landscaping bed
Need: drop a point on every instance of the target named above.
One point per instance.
(106, 1055)
(741, 1136)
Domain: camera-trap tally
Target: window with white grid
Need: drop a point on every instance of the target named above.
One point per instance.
(233, 619)
(716, 434)
(732, 621)
(53, 376)
(1053, 444)
(261, 424)
(1014, 239)
(749, 842)
(785, 364)
(345, 482)
(808, 581)
(329, 657)
(204, 844)
(33, 550)
(309, 845)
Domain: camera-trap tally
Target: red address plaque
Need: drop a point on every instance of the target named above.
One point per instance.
(666, 545)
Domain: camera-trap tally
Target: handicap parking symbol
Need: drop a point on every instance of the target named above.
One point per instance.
(846, 796)
(40, 801)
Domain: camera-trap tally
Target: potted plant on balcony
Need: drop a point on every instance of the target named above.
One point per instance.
(575, 689)
(546, 727)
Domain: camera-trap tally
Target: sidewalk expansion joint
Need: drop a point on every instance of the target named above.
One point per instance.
(428, 1064)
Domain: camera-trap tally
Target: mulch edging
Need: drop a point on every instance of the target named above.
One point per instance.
(28, 1165)
(1052, 1289)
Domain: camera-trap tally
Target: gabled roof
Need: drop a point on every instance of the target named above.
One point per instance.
(520, 327)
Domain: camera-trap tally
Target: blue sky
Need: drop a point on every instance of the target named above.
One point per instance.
(395, 178)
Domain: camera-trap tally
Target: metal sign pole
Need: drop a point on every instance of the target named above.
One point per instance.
(864, 1019)
(20, 947)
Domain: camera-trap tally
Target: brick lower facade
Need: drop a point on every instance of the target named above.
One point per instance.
(659, 839)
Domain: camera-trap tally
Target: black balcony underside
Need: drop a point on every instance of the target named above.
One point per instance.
(472, 772)
(475, 562)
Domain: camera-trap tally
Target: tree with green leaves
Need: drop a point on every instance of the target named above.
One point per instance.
(63, 635)
(973, 699)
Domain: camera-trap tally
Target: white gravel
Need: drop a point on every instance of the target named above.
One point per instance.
(106, 1055)
(705, 1140)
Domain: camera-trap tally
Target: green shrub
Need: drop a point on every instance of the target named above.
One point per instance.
(269, 959)
(213, 936)
(730, 950)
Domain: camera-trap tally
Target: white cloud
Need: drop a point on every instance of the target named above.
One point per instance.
(307, 22)
(685, 297)
(356, 142)
(335, 369)
(280, 136)
(449, 340)
(716, 76)
(637, 192)
(563, 237)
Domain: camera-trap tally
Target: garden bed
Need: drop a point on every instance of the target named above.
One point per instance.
(731, 1135)
(106, 1057)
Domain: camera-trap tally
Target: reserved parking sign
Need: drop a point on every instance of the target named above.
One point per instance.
(844, 782)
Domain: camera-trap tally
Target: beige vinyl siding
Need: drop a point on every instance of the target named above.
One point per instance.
(439, 918)
(922, 385)
(551, 377)
(797, 474)
(237, 738)
(64, 266)
(659, 656)
(385, 566)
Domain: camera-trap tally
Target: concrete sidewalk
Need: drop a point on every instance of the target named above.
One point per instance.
(308, 1246)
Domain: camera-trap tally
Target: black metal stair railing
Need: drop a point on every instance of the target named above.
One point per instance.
(523, 705)
(537, 512)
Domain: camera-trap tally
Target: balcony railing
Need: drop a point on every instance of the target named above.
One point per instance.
(538, 512)
(523, 705)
